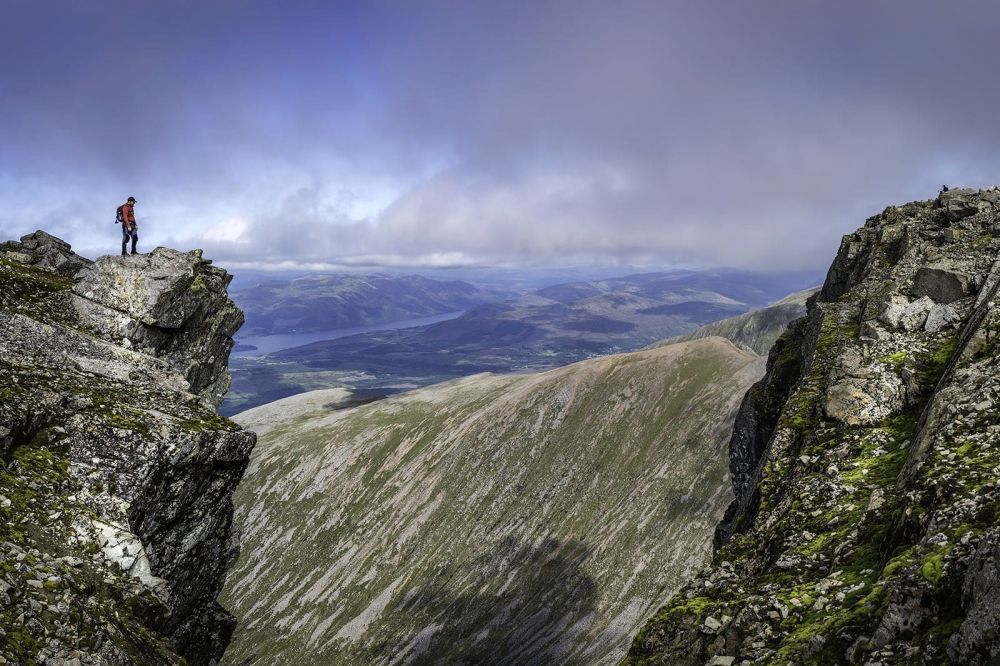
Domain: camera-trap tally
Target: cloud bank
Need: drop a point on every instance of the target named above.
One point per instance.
(306, 134)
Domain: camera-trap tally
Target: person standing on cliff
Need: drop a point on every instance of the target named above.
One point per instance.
(129, 227)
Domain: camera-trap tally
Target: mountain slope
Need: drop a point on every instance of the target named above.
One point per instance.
(756, 330)
(518, 519)
(866, 465)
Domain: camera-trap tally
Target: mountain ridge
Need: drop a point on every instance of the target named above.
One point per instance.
(506, 484)
(865, 465)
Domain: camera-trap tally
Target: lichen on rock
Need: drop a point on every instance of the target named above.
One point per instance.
(866, 465)
(116, 531)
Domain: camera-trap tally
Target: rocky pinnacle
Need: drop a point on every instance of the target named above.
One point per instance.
(117, 473)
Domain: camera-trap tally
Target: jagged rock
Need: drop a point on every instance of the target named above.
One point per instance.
(976, 639)
(46, 251)
(915, 314)
(940, 317)
(898, 402)
(942, 283)
(959, 203)
(115, 454)
(168, 304)
(862, 393)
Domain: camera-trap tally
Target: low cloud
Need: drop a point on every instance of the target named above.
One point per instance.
(463, 134)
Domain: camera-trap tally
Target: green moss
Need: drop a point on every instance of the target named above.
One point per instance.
(897, 359)
(852, 616)
(931, 365)
(198, 284)
(125, 418)
(933, 563)
(35, 292)
(208, 422)
(981, 242)
(900, 562)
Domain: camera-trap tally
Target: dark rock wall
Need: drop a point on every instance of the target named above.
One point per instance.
(111, 372)
(866, 465)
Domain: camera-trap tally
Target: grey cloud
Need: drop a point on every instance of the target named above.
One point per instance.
(744, 134)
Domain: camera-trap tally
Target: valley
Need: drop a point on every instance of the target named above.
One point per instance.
(533, 518)
(549, 327)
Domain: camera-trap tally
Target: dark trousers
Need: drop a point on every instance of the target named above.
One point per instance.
(126, 234)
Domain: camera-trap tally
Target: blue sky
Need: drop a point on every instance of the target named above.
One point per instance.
(424, 134)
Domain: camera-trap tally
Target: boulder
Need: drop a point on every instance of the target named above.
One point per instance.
(894, 309)
(915, 314)
(959, 203)
(169, 304)
(864, 401)
(940, 317)
(941, 282)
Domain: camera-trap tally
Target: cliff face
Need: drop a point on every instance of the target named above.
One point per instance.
(504, 519)
(117, 473)
(866, 465)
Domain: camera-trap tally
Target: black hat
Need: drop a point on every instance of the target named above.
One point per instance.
(132, 200)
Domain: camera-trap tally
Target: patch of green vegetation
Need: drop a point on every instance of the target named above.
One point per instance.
(931, 365)
(35, 292)
(198, 284)
(933, 563)
(125, 418)
(896, 360)
(849, 617)
(898, 563)
(981, 242)
(208, 421)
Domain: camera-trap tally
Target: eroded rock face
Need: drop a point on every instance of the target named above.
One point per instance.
(168, 304)
(866, 465)
(113, 452)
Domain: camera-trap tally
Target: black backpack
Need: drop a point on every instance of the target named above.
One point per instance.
(119, 217)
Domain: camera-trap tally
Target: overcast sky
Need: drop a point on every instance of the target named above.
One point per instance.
(748, 134)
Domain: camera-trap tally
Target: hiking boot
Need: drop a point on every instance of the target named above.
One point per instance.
(134, 252)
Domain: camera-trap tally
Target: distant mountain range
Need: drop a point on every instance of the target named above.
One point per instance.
(552, 326)
(324, 302)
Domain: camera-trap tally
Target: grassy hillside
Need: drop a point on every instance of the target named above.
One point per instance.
(500, 519)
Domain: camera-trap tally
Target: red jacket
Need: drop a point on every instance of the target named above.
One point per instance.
(128, 214)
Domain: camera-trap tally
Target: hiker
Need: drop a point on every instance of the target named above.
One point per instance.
(126, 216)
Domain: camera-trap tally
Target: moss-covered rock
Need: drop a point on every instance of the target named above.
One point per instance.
(865, 536)
(115, 477)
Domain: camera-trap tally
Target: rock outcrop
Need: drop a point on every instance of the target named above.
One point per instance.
(117, 473)
(866, 465)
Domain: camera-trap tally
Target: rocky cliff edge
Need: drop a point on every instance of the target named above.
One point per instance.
(117, 473)
(866, 465)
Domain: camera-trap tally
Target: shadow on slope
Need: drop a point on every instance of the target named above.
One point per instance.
(523, 622)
